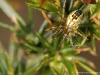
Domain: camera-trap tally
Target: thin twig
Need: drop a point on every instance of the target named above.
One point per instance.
(75, 3)
(46, 18)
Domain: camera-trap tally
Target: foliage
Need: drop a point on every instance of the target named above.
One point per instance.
(36, 53)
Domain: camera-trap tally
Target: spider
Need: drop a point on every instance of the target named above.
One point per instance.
(69, 28)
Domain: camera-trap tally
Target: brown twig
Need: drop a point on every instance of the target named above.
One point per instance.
(75, 3)
(46, 18)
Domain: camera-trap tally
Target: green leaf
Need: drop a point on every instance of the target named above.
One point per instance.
(69, 51)
(9, 64)
(86, 68)
(2, 71)
(45, 5)
(34, 65)
(30, 17)
(11, 28)
(3, 66)
(96, 30)
(43, 27)
(93, 43)
(95, 9)
(84, 60)
(45, 43)
(12, 51)
(62, 71)
(10, 12)
(55, 72)
(34, 48)
(5, 62)
(70, 65)
(24, 28)
(71, 4)
(57, 67)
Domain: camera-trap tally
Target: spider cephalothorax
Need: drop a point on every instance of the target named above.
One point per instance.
(69, 29)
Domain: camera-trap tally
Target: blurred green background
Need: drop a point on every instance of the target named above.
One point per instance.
(21, 7)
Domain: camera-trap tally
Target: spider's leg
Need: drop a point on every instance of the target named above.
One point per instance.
(54, 34)
(84, 39)
(71, 42)
(57, 31)
(64, 37)
(79, 34)
(53, 28)
(48, 29)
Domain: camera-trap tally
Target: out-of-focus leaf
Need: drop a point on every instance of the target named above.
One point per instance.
(10, 12)
(43, 26)
(3, 67)
(70, 51)
(32, 38)
(2, 71)
(93, 43)
(63, 71)
(12, 51)
(83, 60)
(34, 66)
(94, 6)
(25, 29)
(70, 65)
(33, 48)
(7, 26)
(20, 66)
(30, 17)
(54, 71)
(96, 30)
(95, 9)
(5, 61)
(86, 68)
(45, 5)
(58, 68)
(9, 64)
(71, 4)
(45, 43)
(55, 42)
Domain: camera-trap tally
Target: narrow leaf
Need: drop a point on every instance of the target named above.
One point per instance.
(10, 12)
(54, 71)
(34, 66)
(93, 43)
(70, 65)
(45, 43)
(83, 60)
(45, 5)
(86, 68)
(11, 28)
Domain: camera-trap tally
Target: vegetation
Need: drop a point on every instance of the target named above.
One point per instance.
(36, 53)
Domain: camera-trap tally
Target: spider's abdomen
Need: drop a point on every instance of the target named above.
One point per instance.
(74, 19)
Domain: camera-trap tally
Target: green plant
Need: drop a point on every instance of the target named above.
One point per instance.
(36, 53)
